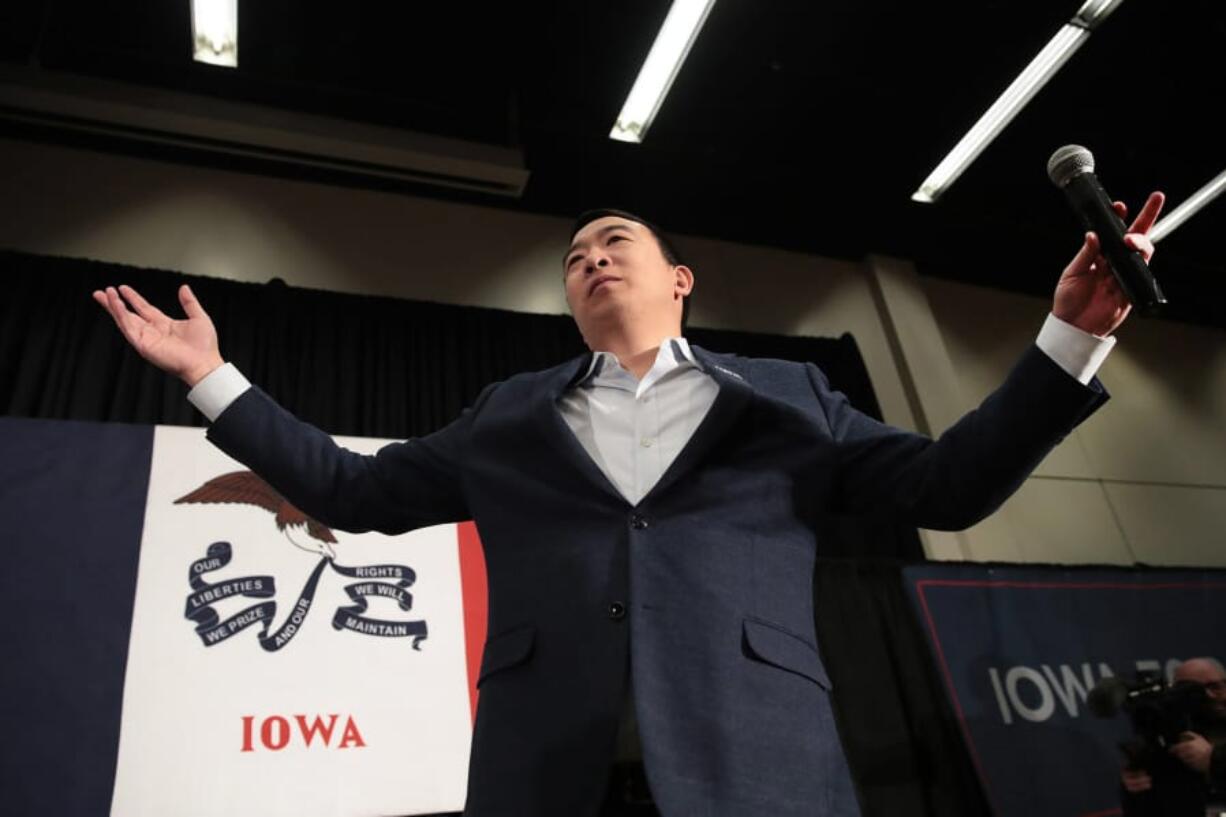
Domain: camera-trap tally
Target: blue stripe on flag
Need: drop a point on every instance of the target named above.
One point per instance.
(72, 505)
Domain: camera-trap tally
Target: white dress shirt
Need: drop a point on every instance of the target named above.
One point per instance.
(633, 429)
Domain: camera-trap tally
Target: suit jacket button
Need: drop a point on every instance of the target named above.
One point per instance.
(617, 611)
(638, 522)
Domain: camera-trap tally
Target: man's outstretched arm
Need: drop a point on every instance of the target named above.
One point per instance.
(955, 481)
(404, 486)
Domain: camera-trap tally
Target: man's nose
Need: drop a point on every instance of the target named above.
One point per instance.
(597, 260)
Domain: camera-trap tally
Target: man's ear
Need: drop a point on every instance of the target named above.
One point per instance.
(683, 282)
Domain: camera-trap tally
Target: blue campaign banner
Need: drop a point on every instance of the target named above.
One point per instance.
(1019, 649)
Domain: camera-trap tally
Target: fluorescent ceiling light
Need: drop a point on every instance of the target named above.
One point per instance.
(215, 32)
(1094, 12)
(672, 44)
(1189, 208)
(1015, 97)
(1072, 35)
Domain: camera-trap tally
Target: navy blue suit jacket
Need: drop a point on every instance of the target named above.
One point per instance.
(703, 589)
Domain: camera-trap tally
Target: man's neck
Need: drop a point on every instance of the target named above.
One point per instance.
(636, 354)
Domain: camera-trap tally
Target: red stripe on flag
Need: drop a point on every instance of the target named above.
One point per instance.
(476, 602)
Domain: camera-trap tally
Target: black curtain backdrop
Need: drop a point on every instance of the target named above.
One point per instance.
(898, 728)
(382, 367)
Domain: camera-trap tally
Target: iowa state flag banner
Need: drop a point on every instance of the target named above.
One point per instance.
(182, 640)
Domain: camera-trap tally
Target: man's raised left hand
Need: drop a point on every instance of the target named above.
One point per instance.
(1088, 296)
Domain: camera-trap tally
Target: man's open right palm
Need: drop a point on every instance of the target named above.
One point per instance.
(186, 348)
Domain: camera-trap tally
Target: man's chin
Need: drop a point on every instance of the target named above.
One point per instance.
(602, 307)
(597, 317)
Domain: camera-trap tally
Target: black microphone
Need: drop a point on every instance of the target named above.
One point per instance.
(1071, 168)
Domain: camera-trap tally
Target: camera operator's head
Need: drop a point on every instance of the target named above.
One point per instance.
(1208, 673)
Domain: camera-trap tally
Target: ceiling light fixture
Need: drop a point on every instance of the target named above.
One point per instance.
(215, 32)
(1189, 208)
(1093, 12)
(1071, 36)
(273, 139)
(668, 52)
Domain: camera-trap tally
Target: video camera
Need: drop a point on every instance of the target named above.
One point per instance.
(1159, 713)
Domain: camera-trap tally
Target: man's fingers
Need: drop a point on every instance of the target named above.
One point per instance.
(142, 307)
(128, 323)
(191, 307)
(1107, 278)
(114, 305)
(1148, 216)
(104, 300)
(1141, 243)
(1121, 210)
(1083, 261)
(1136, 780)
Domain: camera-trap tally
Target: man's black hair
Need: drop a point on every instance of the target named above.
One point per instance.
(666, 246)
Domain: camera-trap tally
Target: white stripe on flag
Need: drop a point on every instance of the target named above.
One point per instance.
(224, 728)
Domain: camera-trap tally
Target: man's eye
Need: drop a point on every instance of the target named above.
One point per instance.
(613, 238)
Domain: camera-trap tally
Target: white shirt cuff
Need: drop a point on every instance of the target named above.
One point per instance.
(219, 388)
(1077, 352)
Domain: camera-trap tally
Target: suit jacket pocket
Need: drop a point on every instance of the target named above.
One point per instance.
(506, 650)
(770, 644)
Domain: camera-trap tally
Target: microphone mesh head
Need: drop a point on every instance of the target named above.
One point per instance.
(1067, 162)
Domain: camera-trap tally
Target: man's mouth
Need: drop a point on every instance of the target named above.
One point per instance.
(603, 279)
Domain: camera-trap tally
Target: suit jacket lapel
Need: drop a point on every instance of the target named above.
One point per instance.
(734, 396)
(558, 434)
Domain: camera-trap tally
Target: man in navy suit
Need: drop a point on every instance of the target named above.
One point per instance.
(651, 516)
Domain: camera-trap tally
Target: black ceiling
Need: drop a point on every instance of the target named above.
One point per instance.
(803, 125)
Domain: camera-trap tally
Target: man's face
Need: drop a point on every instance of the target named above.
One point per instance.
(1208, 676)
(615, 271)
